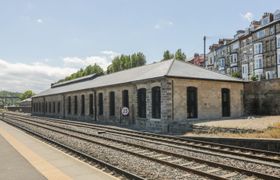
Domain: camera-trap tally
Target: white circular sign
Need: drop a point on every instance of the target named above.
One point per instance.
(125, 111)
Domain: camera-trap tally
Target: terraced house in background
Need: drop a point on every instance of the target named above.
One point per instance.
(253, 53)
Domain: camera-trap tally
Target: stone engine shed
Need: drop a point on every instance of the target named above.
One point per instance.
(161, 97)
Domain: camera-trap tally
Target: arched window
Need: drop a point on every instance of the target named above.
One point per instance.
(69, 105)
(125, 98)
(39, 107)
(100, 104)
(54, 107)
(112, 103)
(91, 104)
(192, 102)
(156, 102)
(83, 105)
(75, 105)
(58, 107)
(141, 97)
(46, 106)
(225, 102)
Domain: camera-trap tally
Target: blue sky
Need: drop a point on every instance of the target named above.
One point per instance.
(68, 34)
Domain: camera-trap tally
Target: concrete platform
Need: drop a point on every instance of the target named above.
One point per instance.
(25, 157)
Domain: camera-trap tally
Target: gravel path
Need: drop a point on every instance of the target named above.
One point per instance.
(257, 122)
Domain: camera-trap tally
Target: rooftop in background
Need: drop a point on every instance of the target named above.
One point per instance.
(198, 59)
(168, 68)
(84, 78)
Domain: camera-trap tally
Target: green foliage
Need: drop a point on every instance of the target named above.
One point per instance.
(26, 94)
(9, 101)
(91, 69)
(167, 55)
(254, 78)
(179, 55)
(236, 74)
(123, 62)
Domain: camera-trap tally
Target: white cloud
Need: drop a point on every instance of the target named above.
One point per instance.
(248, 16)
(104, 60)
(163, 24)
(37, 76)
(40, 21)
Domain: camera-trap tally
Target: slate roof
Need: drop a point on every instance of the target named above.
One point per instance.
(168, 68)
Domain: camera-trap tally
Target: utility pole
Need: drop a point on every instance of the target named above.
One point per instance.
(204, 41)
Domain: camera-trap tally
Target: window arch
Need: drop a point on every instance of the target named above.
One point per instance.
(141, 102)
(156, 102)
(192, 102)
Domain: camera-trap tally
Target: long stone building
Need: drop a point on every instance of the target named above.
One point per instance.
(159, 96)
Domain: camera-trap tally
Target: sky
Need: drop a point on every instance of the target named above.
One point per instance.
(44, 41)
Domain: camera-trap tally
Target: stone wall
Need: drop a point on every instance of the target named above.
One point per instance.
(209, 98)
(173, 103)
(262, 97)
(133, 121)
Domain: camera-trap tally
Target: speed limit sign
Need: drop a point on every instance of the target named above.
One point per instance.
(125, 111)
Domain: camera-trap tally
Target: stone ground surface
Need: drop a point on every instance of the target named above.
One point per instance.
(254, 122)
(38, 160)
(14, 166)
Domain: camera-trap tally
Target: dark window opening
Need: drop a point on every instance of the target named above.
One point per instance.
(50, 107)
(75, 105)
(112, 103)
(100, 104)
(225, 102)
(156, 102)
(46, 106)
(83, 105)
(58, 107)
(43, 107)
(91, 104)
(53, 107)
(192, 102)
(141, 97)
(39, 107)
(69, 105)
(125, 98)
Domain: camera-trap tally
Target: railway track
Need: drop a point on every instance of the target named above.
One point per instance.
(255, 154)
(189, 164)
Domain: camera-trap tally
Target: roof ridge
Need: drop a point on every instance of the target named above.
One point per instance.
(170, 66)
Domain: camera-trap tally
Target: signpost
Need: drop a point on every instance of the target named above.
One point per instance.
(124, 113)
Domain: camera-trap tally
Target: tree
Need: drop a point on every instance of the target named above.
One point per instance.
(90, 69)
(167, 55)
(27, 94)
(236, 74)
(123, 62)
(179, 55)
